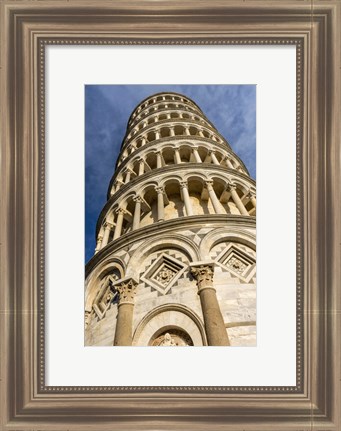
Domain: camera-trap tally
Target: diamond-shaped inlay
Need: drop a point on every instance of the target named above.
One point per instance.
(237, 262)
(164, 272)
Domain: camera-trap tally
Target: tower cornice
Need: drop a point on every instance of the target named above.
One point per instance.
(173, 225)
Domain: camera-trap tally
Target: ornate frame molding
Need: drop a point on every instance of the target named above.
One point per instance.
(314, 28)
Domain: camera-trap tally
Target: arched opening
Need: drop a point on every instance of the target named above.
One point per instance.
(166, 318)
(199, 201)
(175, 206)
(168, 156)
(149, 215)
(185, 154)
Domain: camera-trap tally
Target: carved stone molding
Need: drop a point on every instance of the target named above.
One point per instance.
(126, 289)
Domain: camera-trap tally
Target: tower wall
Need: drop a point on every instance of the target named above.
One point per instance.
(176, 240)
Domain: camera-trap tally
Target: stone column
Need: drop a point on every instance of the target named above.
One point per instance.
(196, 155)
(160, 204)
(127, 178)
(157, 134)
(171, 131)
(213, 319)
(177, 156)
(124, 325)
(119, 222)
(158, 159)
(99, 243)
(107, 229)
(252, 198)
(201, 134)
(237, 200)
(215, 201)
(187, 131)
(137, 212)
(186, 198)
(214, 158)
(141, 166)
(228, 162)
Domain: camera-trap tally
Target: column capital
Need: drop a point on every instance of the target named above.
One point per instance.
(120, 211)
(159, 189)
(108, 224)
(137, 199)
(126, 289)
(203, 273)
(183, 184)
(209, 184)
(231, 186)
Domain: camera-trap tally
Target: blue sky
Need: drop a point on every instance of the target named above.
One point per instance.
(231, 108)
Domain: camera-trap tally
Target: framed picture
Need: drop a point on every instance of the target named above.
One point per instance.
(56, 372)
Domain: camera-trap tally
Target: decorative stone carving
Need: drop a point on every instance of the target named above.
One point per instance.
(120, 211)
(239, 263)
(167, 340)
(236, 264)
(137, 199)
(204, 276)
(87, 318)
(127, 292)
(159, 189)
(105, 295)
(172, 338)
(163, 274)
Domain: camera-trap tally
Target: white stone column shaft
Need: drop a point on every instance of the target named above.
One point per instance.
(228, 162)
(107, 229)
(137, 212)
(237, 200)
(215, 201)
(186, 198)
(196, 155)
(141, 167)
(160, 204)
(158, 159)
(119, 223)
(177, 156)
(214, 159)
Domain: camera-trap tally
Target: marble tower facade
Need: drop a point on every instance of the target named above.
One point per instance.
(175, 261)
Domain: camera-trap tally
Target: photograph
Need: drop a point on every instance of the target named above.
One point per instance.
(170, 215)
(132, 137)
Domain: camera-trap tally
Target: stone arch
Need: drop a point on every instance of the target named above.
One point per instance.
(222, 235)
(175, 241)
(166, 317)
(103, 269)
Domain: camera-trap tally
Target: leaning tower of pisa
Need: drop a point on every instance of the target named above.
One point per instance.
(175, 261)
